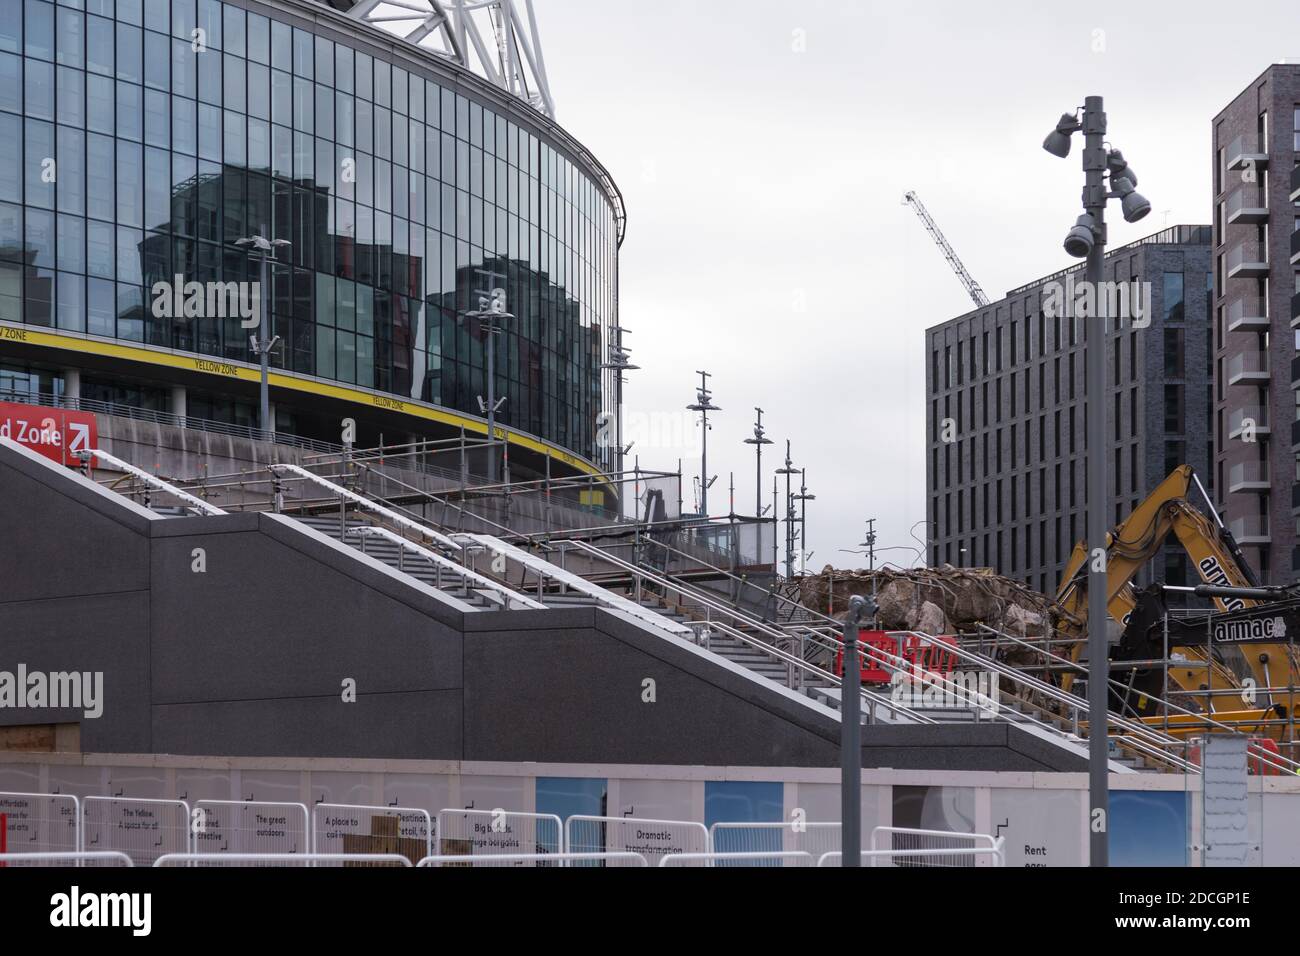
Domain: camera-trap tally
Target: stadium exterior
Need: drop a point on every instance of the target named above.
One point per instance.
(140, 140)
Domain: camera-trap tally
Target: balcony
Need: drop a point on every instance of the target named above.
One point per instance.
(1248, 420)
(1248, 152)
(1251, 529)
(1247, 315)
(1248, 476)
(1295, 184)
(1295, 244)
(1295, 498)
(1248, 368)
(1295, 439)
(1247, 204)
(1295, 310)
(1295, 372)
(1247, 260)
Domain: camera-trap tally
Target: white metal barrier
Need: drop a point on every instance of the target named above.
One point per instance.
(811, 838)
(103, 858)
(936, 847)
(40, 823)
(777, 859)
(996, 856)
(538, 859)
(247, 826)
(283, 859)
(497, 832)
(142, 829)
(650, 838)
(355, 828)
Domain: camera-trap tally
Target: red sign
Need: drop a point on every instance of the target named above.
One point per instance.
(56, 433)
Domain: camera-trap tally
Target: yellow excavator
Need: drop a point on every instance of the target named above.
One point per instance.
(1201, 666)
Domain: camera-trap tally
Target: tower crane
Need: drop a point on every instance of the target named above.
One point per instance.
(972, 287)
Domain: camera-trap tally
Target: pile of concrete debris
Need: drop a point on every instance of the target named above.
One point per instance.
(943, 600)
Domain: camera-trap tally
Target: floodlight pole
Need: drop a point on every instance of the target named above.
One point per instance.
(1094, 203)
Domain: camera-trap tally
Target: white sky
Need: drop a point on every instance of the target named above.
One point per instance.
(757, 178)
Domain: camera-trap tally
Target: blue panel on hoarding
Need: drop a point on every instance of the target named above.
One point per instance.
(743, 801)
(1148, 828)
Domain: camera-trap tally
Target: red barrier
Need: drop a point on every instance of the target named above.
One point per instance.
(1257, 748)
(935, 655)
(873, 668)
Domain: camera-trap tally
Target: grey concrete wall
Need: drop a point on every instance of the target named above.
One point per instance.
(248, 657)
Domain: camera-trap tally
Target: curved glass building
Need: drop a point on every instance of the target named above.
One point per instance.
(139, 139)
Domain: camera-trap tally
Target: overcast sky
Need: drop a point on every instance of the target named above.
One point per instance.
(763, 149)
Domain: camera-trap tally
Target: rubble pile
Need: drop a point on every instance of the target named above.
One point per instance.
(942, 600)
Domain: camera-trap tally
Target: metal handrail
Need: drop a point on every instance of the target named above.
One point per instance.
(834, 680)
(879, 656)
(765, 646)
(187, 499)
(1142, 737)
(900, 663)
(1016, 677)
(770, 592)
(166, 418)
(1288, 765)
(566, 578)
(365, 502)
(678, 587)
(508, 596)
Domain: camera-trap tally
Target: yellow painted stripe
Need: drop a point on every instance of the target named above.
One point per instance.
(223, 368)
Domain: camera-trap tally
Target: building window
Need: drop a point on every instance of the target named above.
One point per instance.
(1174, 353)
(1173, 297)
(1174, 409)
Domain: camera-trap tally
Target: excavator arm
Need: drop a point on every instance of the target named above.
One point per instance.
(1218, 561)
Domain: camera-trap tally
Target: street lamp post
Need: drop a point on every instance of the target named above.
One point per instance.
(803, 498)
(618, 362)
(263, 342)
(1087, 240)
(491, 309)
(758, 441)
(704, 405)
(788, 470)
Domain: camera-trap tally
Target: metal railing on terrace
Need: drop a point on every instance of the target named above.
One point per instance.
(136, 413)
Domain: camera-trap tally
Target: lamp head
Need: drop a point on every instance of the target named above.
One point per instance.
(1119, 168)
(1081, 237)
(1134, 205)
(1058, 140)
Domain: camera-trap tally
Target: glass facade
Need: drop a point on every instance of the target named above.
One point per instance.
(140, 138)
